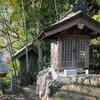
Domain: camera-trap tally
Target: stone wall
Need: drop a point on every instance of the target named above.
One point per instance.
(80, 87)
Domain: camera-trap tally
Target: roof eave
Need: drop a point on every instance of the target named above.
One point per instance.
(17, 55)
(42, 34)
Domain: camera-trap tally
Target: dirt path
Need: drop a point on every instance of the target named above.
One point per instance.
(20, 93)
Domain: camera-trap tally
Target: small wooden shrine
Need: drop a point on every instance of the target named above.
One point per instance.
(33, 57)
(70, 38)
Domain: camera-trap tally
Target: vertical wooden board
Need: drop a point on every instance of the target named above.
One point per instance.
(54, 53)
(60, 52)
(87, 54)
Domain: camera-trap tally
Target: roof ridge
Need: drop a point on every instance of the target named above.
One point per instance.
(79, 5)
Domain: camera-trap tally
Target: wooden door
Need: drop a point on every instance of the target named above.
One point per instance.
(74, 52)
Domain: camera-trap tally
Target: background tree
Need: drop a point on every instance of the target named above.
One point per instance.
(44, 11)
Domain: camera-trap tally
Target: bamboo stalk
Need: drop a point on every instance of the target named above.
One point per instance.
(8, 39)
(26, 40)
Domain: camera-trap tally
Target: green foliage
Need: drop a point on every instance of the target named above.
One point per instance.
(5, 82)
(95, 43)
(95, 51)
(93, 6)
(36, 10)
(11, 66)
(46, 53)
(97, 17)
(95, 55)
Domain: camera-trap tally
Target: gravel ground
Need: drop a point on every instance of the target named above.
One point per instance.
(19, 93)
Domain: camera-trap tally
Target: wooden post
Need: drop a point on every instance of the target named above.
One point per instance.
(40, 56)
(73, 54)
(25, 37)
(11, 83)
(87, 54)
(26, 40)
(55, 4)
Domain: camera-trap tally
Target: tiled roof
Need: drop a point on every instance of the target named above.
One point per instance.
(22, 51)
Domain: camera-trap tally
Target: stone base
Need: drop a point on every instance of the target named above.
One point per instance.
(74, 87)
